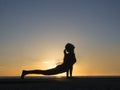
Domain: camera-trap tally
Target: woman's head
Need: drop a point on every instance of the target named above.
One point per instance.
(69, 47)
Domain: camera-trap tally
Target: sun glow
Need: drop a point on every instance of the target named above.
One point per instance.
(52, 64)
(49, 64)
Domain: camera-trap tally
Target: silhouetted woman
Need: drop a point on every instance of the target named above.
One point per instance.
(66, 66)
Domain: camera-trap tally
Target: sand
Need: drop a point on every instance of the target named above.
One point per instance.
(60, 83)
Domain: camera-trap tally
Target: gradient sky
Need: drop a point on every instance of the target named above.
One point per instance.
(33, 34)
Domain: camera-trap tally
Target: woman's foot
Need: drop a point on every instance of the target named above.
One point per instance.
(23, 74)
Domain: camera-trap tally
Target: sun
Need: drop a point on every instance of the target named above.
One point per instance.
(52, 64)
(49, 64)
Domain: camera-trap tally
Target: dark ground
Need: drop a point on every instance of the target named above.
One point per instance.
(56, 83)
